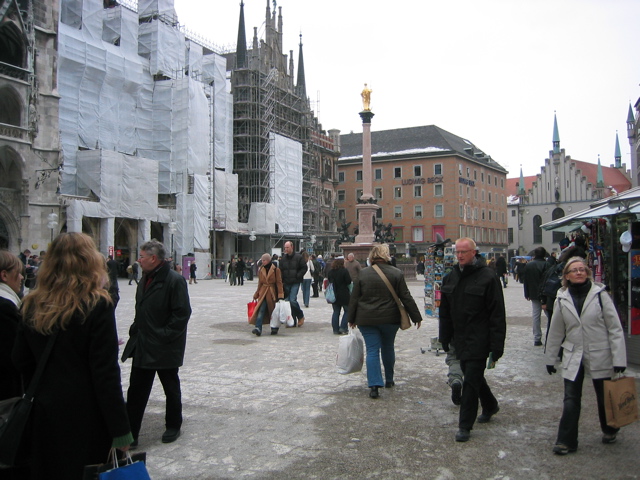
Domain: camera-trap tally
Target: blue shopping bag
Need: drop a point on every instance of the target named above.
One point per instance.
(129, 471)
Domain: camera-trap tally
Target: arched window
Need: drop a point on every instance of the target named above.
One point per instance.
(10, 107)
(537, 231)
(556, 214)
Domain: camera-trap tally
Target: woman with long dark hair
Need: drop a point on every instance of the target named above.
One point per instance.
(79, 411)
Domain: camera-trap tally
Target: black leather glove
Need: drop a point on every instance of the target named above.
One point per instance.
(619, 369)
(445, 347)
(551, 369)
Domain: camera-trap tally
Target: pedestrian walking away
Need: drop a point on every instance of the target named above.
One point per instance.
(340, 279)
(373, 309)
(269, 291)
(586, 325)
(472, 315)
(533, 275)
(192, 272)
(79, 403)
(157, 339)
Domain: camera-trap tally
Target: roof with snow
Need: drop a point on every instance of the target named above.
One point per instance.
(411, 142)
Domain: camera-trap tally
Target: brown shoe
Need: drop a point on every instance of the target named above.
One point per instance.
(301, 321)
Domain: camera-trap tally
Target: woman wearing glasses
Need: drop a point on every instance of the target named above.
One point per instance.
(586, 325)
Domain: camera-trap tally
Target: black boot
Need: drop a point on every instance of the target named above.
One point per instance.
(374, 392)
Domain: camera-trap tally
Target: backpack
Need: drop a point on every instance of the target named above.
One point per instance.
(129, 269)
(552, 281)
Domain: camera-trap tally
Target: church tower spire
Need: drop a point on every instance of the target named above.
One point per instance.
(618, 155)
(301, 86)
(241, 47)
(521, 190)
(600, 177)
(556, 135)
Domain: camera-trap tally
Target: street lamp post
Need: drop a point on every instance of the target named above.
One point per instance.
(172, 231)
(52, 222)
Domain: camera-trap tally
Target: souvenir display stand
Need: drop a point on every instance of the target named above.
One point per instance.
(438, 262)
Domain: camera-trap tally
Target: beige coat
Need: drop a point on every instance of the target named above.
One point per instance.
(595, 338)
(269, 289)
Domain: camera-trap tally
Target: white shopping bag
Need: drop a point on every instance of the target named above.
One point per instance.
(275, 315)
(285, 313)
(350, 356)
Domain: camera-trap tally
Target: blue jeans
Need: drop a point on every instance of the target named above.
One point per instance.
(261, 312)
(335, 319)
(379, 339)
(291, 294)
(572, 404)
(306, 291)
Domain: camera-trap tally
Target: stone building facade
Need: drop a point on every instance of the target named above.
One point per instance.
(427, 181)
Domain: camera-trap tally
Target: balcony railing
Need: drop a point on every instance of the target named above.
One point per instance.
(14, 72)
(13, 131)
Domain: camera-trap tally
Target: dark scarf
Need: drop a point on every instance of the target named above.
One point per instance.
(578, 292)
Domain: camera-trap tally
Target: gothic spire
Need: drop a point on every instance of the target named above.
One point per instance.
(241, 47)
(600, 177)
(630, 117)
(556, 135)
(301, 87)
(618, 155)
(521, 190)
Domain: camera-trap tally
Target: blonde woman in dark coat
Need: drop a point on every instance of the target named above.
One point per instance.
(269, 291)
(374, 310)
(79, 411)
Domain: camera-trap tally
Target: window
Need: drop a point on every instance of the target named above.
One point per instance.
(475, 213)
(341, 195)
(537, 231)
(397, 211)
(468, 192)
(377, 174)
(468, 172)
(482, 177)
(463, 231)
(556, 214)
(378, 193)
(489, 194)
(461, 211)
(397, 172)
(341, 177)
(437, 169)
(397, 192)
(482, 195)
(475, 194)
(460, 169)
(417, 211)
(399, 234)
(502, 183)
(417, 170)
(417, 191)
(482, 213)
(490, 235)
(437, 190)
(342, 214)
(417, 234)
(488, 179)
(379, 213)
(489, 215)
(358, 194)
(510, 236)
(439, 210)
(460, 190)
(495, 181)
(358, 175)
(513, 212)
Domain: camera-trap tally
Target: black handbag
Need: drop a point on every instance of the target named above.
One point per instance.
(14, 423)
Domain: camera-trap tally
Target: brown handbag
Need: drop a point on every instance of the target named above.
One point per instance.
(405, 321)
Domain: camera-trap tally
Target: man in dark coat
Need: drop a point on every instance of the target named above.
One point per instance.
(472, 314)
(533, 276)
(240, 266)
(157, 339)
(293, 269)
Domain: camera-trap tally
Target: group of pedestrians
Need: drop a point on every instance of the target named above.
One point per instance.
(79, 402)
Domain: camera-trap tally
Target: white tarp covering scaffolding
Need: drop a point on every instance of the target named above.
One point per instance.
(262, 218)
(128, 98)
(226, 201)
(286, 183)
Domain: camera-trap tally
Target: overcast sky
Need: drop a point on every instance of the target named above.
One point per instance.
(491, 71)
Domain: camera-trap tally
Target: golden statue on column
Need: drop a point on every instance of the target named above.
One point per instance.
(366, 98)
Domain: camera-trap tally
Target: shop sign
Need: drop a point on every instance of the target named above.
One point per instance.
(466, 181)
(422, 181)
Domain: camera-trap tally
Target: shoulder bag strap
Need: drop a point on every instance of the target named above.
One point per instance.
(41, 364)
(388, 284)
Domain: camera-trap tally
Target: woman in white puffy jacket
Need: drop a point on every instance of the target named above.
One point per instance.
(586, 325)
